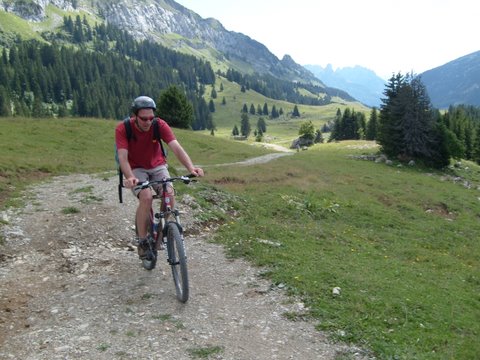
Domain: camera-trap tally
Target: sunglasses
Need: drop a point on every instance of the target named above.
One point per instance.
(149, 118)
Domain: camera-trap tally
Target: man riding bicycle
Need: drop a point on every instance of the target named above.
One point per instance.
(141, 159)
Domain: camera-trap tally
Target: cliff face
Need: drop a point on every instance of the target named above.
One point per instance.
(34, 10)
(156, 19)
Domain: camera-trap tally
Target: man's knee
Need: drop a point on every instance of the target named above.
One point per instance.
(145, 197)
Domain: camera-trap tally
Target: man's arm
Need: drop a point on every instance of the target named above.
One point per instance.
(131, 180)
(183, 157)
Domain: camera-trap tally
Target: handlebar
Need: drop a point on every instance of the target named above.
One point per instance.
(186, 179)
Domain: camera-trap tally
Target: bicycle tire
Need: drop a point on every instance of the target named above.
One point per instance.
(178, 261)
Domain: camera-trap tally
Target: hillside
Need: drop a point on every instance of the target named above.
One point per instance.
(78, 79)
(456, 82)
(176, 27)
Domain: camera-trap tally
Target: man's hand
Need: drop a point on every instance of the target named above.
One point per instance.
(197, 172)
(130, 182)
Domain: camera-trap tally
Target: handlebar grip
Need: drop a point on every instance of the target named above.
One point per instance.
(141, 186)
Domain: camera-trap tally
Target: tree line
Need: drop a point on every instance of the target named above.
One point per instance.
(98, 77)
(278, 89)
(408, 127)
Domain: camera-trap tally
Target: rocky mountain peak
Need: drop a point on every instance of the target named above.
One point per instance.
(156, 19)
(35, 10)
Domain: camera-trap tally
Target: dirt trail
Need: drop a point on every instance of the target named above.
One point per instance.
(73, 288)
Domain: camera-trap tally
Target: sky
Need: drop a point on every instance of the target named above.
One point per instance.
(386, 36)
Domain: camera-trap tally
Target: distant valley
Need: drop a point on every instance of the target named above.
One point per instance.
(363, 84)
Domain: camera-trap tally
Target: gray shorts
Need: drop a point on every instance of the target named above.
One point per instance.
(157, 173)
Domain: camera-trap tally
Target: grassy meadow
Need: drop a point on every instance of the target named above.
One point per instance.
(400, 242)
(280, 131)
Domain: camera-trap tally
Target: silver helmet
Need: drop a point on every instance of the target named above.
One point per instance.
(143, 102)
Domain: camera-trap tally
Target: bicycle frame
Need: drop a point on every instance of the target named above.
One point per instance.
(166, 210)
(172, 236)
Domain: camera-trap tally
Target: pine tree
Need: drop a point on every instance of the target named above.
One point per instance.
(295, 112)
(245, 125)
(389, 131)
(274, 113)
(4, 58)
(262, 125)
(265, 109)
(213, 94)
(476, 148)
(417, 122)
(211, 106)
(235, 131)
(408, 129)
(78, 36)
(174, 108)
(372, 125)
(4, 102)
(252, 109)
(335, 133)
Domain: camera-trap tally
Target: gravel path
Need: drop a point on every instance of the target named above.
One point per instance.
(73, 288)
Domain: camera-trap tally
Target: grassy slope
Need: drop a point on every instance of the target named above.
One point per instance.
(280, 131)
(32, 149)
(400, 242)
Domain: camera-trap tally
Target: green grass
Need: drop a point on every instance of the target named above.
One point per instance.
(401, 242)
(32, 150)
(205, 352)
(279, 131)
(70, 210)
(21, 26)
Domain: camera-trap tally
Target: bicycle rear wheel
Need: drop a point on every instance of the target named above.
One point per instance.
(178, 261)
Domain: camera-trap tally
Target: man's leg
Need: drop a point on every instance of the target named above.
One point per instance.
(143, 212)
(142, 215)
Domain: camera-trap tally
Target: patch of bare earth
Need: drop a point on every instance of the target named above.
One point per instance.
(72, 287)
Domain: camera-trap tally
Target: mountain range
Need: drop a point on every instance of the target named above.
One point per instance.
(362, 83)
(456, 82)
(172, 25)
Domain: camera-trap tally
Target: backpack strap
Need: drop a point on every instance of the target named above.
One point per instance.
(128, 128)
(156, 135)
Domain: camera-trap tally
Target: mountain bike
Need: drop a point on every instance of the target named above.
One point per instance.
(166, 232)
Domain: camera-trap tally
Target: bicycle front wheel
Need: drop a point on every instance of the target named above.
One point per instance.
(178, 261)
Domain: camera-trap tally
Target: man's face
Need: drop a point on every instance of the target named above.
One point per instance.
(144, 119)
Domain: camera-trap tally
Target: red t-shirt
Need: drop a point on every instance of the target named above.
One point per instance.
(143, 150)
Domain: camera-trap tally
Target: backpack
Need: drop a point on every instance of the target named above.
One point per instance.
(130, 136)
